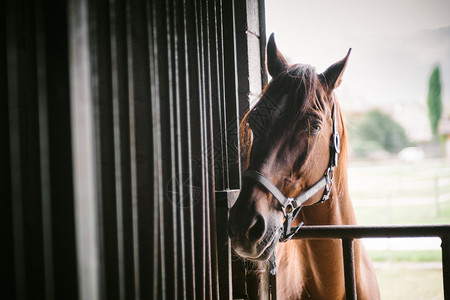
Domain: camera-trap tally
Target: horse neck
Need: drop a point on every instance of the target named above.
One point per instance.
(318, 263)
(338, 210)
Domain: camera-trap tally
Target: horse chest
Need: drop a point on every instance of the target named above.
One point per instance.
(304, 273)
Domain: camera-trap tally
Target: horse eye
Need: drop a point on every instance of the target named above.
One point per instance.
(315, 127)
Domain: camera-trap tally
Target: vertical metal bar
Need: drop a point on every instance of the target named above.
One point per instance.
(262, 40)
(195, 181)
(130, 25)
(167, 62)
(157, 70)
(200, 214)
(213, 95)
(56, 152)
(83, 140)
(184, 138)
(273, 286)
(182, 143)
(218, 117)
(94, 72)
(208, 149)
(191, 91)
(115, 96)
(121, 114)
(44, 152)
(8, 284)
(231, 96)
(224, 247)
(12, 17)
(349, 269)
(258, 281)
(446, 265)
(145, 154)
(100, 54)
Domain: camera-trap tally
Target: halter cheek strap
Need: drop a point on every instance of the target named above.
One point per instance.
(292, 206)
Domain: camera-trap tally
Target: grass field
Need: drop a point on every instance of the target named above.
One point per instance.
(404, 214)
(410, 284)
(396, 192)
(401, 256)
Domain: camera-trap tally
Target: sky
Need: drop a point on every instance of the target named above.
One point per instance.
(357, 17)
(392, 56)
(299, 25)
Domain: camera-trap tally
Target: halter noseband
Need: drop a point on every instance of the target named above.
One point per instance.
(292, 206)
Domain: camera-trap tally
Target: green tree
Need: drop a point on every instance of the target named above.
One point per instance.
(378, 129)
(434, 100)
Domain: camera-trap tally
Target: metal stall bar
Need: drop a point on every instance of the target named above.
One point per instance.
(122, 165)
(201, 148)
(446, 264)
(349, 232)
(349, 269)
(84, 158)
(101, 79)
(358, 232)
(187, 198)
(8, 285)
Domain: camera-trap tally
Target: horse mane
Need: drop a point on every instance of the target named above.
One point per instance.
(300, 82)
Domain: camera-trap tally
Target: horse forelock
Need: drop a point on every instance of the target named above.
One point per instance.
(300, 85)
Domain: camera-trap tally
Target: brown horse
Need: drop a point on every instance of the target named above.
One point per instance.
(286, 137)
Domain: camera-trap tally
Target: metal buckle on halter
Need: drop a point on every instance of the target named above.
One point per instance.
(330, 178)
(288, 208)
(329, 175)
(291, 232)
(288, 230)
(337, 142)
(290, 212)
(335, 149)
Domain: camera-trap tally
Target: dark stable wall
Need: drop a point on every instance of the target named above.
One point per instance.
(120, 153)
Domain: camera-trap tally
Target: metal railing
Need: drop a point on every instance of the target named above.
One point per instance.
(347, 233)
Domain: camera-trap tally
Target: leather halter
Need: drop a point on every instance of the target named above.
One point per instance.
(292, 206)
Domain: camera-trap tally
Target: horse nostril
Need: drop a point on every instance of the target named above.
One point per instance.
(257, 228)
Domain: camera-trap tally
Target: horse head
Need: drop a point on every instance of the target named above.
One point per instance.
(286, 138)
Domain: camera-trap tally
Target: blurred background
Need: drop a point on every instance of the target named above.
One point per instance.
(396, 100)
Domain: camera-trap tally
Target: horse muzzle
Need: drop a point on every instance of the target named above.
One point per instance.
(253, 236)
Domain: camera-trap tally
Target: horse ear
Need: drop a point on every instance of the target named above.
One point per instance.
(333, 75)
(276, 62)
